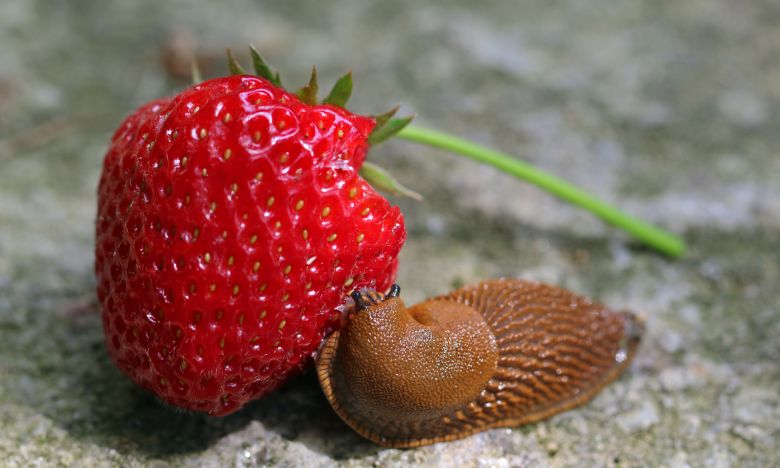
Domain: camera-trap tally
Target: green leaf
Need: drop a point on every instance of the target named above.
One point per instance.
(262, 69)
(308, 93)
(381, 179)
(386, 131)
(235, 67)
(341, 91)
(382, 119)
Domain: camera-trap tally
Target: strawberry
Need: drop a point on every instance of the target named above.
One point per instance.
(232, 223)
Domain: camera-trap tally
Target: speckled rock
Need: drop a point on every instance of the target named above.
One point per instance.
(668, 109)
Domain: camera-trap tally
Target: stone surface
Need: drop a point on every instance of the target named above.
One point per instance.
(668, 109)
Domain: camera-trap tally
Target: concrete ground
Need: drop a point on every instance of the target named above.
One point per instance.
(667, 109)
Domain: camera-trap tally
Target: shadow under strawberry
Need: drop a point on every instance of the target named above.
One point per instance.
(106, 408)
(109, 410)
(100, 405)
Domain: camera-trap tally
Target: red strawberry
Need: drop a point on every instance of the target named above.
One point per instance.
(232, 222)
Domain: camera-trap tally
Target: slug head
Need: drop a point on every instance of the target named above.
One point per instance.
(403, 367)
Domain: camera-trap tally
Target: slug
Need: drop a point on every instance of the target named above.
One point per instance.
(500, 353)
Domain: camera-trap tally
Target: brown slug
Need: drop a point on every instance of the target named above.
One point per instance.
(496, 354)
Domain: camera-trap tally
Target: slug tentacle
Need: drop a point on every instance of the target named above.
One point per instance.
(496, 354)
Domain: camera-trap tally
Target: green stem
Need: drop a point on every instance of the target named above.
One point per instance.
(646, 233)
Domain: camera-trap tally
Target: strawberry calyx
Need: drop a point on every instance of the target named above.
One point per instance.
(387, 125)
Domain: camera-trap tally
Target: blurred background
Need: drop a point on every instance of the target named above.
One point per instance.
(668, 109)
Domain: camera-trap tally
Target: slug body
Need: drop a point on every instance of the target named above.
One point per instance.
(496, 354)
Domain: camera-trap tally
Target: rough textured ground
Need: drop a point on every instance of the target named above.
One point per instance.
(668, 109)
